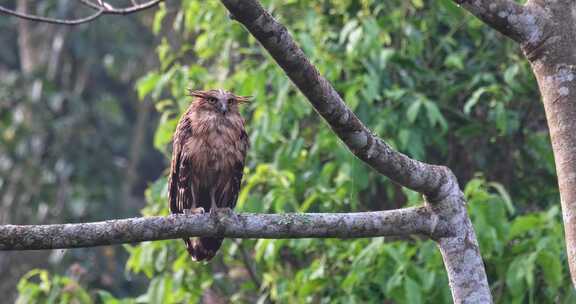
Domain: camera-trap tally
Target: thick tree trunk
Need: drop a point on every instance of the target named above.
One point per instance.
(553, 61)
(545, 30)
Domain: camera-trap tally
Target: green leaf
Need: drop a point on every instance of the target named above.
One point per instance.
(452, 8)
(413, 291)
(147, 84)
(413, 110)
(156, 290)
(454, 61)
(515, 277)
(551, 267)
(505, 196)
(107, 298)
(347, 29)
(510, 74)
(164, 132)
(158, 18)
(160, 261)
(418, 3)
(473, 100)
(523, 224)
(434, 115)
(501, 117)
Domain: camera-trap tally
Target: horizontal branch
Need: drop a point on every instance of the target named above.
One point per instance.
(398, 222)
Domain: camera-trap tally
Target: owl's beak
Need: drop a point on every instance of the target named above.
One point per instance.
(223, 107)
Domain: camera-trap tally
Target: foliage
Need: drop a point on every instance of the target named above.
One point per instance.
(56, 289)
(77, 96)
(435, 83)
(521, 256)
(67, 129)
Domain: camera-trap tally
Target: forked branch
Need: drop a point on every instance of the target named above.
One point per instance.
(459, 250)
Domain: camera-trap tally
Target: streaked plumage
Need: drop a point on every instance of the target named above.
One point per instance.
(209, 149)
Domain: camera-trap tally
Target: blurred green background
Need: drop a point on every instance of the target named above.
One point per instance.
(87, 113)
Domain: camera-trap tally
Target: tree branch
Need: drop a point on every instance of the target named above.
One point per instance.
(460, 252)
(122, 11)
(105, 9)
(30, 17)
(523, 24)
(224, 224)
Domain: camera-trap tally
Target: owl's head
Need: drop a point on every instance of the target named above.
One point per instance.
(218, 100)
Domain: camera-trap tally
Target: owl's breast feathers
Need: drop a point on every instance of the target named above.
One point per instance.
(214, 145)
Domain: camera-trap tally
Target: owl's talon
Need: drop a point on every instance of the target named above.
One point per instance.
(224, 210)
(198, 210)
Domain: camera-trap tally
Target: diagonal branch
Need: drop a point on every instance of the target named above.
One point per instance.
(460, 251)
(408, 221)
(523, 24)
(424, 178)
(104, 9)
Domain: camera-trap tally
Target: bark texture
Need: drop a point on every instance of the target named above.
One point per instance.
(519, 22)
(460, 248)
(461, 254)
(553, 61)
(399, 222)
(545, 31)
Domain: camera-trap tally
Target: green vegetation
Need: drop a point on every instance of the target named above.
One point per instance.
(433, 81)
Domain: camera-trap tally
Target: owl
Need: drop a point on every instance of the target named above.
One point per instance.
(209, 150)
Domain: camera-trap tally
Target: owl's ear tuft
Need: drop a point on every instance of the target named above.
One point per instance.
(243, 99)
(197, 93)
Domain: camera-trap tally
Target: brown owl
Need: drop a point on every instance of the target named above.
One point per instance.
(209, 150)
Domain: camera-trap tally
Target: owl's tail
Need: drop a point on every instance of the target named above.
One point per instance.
(203, 249)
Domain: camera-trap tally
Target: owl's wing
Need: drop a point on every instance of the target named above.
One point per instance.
(173, 178)
(234, 185)
(238, 170)
(180, 192)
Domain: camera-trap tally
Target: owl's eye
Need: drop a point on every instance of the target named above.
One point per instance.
(211, 100)
(230, 101)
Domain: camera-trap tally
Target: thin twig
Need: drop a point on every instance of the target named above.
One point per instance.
(52, 20)
(108, 9)
(104, 9)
